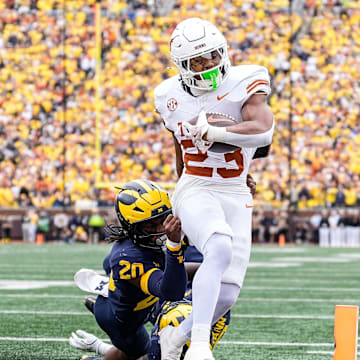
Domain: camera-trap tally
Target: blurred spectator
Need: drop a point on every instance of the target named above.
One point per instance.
(43, 225)
(315, 221)
(96, 224)
(6, 227)
(257, 227)
(29, 226)
(61, 223)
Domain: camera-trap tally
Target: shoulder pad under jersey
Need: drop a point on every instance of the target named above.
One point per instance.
(161, 93)
(247, 80)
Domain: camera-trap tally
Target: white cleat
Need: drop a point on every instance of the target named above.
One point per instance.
(90, 281)
(171, 343)
(199, 351)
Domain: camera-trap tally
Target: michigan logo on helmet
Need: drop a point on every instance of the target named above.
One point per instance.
(141, 205)
(194, 38)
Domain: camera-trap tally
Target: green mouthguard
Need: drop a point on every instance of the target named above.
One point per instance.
(212, 76)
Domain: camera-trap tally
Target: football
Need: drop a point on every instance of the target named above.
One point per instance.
(221, 120)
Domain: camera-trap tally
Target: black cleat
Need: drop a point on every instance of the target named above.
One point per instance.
(89, 302)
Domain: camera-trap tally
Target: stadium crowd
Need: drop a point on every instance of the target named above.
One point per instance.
(47, 96)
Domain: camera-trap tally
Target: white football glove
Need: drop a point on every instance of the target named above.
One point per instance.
(90, 281)
(84, 341)
(197, 131)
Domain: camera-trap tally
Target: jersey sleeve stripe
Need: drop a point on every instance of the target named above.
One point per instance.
(256, 85)
(255, 82)
(144, 281)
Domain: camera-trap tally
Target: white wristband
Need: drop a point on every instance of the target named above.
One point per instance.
(173, 245)
(216, 134)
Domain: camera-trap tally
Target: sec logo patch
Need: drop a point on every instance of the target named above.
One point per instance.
(172, 104)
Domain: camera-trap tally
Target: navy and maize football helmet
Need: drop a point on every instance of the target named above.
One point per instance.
(138, 205)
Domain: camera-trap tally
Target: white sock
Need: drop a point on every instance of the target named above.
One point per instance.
(228, 296)
(229, 293)
(207, 280)
(206, 293)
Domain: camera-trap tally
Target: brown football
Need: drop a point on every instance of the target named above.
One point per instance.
(221, 120)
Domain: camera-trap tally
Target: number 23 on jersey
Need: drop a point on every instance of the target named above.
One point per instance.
(201, 157)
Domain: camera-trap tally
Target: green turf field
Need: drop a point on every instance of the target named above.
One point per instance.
(285, 310)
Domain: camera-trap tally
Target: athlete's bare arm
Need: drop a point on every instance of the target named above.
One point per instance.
(257, 117)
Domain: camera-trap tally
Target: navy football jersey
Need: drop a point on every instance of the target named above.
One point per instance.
(129, 303)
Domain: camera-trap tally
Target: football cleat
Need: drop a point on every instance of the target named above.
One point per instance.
(88, 357)
(199, 351)
(171, 343)
(89, 303)
(90, 281)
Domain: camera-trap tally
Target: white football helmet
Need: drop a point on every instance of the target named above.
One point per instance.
(196, 37)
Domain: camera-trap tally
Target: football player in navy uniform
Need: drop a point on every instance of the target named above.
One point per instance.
(140, 273)
(166, 313)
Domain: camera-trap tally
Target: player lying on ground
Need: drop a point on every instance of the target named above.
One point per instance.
(165, 313)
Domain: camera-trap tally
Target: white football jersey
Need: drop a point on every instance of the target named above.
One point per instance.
(228, 165)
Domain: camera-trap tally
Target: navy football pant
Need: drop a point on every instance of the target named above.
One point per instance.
(134, 342)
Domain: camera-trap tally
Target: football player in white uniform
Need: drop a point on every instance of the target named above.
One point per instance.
(211, 197)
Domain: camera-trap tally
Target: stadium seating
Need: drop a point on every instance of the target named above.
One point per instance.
(47, 89)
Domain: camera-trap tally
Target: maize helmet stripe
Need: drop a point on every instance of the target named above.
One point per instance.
(140, 200)
(128, 199)
(141, 186)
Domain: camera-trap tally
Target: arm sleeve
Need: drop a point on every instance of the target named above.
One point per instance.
(246, 140)
(170, 284)
(220, 134)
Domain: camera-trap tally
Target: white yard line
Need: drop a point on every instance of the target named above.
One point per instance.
(285, 288)
(300, 281)
(244, 316)
(241, 299)
(278, 316)
(50, 296)
(250, 343)
(29, 312)
(265, 343)
(243, 343)
(337, 301)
